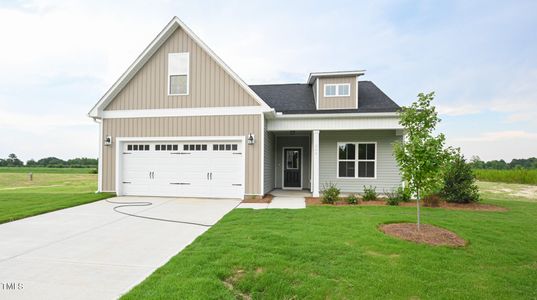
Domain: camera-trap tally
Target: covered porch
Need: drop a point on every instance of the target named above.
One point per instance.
(304, 154)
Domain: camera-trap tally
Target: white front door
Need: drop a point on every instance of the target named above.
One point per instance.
(182, 169)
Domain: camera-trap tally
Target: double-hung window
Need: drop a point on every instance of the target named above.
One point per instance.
(356, 160)
(366, 160)
(347, 160)
(337, 90)
(178, 73)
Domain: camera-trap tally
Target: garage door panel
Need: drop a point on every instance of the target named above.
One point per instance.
(183, 169)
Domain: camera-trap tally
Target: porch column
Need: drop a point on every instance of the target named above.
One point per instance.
(315, 158)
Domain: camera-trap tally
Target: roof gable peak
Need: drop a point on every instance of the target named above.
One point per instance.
(150, 50)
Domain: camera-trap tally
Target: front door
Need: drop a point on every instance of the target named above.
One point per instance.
(292, 168)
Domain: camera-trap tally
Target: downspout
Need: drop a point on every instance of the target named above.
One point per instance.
(100, 160)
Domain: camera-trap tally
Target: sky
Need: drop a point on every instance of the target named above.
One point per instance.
(57, 58)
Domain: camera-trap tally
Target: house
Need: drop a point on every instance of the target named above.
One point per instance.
(180, 122)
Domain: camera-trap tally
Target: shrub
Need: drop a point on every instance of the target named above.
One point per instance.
(370, 193)
(330, 193)
(93, 171)
(393, 199)
(397, 195)
(432, 200)
(459, 183)
(404, 194)
(352, 199)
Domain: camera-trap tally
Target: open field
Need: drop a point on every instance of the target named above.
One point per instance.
(521, 176)
(339, 253)
(20, 198)
(47, 170)
(507, 191)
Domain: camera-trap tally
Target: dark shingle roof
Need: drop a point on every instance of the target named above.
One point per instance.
(298, 99)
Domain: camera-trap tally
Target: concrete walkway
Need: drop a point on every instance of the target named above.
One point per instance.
(92, 252)
(282, 199)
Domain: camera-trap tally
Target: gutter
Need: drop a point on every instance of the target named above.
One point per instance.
(337, 115)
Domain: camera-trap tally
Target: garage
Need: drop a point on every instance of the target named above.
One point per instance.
(181, 168)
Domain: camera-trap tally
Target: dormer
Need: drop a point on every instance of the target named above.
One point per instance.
(335, 90)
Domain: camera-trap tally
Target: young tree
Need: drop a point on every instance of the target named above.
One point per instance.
(421, 155)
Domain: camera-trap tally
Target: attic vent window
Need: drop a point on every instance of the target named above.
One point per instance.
(178, 73)
(337, 90)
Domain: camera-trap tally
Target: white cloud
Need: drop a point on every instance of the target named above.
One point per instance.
(503, 136)
(459, 110)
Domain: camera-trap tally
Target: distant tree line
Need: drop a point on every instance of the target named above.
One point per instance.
(524, 163)
(49, 162)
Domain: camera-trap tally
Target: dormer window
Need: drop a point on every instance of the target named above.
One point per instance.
(337, 90)
(178, 73)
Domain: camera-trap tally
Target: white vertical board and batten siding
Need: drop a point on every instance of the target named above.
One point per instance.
(186, 127)
(209, 84)
(387, 170)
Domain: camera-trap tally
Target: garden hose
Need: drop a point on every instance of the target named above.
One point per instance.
(145, 203)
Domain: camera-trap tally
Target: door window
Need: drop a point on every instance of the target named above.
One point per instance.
(292, 159)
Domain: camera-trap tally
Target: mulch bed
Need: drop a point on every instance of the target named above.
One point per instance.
(266, 199)
(428, 234)
(316, 201)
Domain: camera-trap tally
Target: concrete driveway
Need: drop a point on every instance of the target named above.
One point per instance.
(93, 252)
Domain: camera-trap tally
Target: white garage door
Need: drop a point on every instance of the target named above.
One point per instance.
(182, 169)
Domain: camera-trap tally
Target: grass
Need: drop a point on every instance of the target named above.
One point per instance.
(338, 253)
(521, 176)
(21, 198)
(47, 170)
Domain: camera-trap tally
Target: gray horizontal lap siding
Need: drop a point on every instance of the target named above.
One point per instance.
(388, 175)
(268, 174)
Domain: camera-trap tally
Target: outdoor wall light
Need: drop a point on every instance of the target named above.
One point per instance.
(251, 139)
(108, 141)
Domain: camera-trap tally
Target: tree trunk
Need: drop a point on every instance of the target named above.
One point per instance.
(418, 207)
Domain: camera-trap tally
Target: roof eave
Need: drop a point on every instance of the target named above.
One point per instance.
(338, 115)
(314, 75)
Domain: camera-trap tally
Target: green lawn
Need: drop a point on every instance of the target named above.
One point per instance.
(20, 197)
(338, 253)
(47, 170)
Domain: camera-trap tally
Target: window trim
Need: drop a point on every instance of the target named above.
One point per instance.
(356, 160)
(170, 74)
(337, 90)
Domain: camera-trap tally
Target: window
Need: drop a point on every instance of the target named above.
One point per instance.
(131, 147)
(356, 160)
(292, 159)
(337, 90)
(346, 160)
(170, 147)
(225, 147)
(366, 160)
(178, 73)
(330, 90)
(198, 147)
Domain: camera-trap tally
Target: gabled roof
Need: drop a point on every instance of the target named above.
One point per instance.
(148, 53)
(298, 99)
